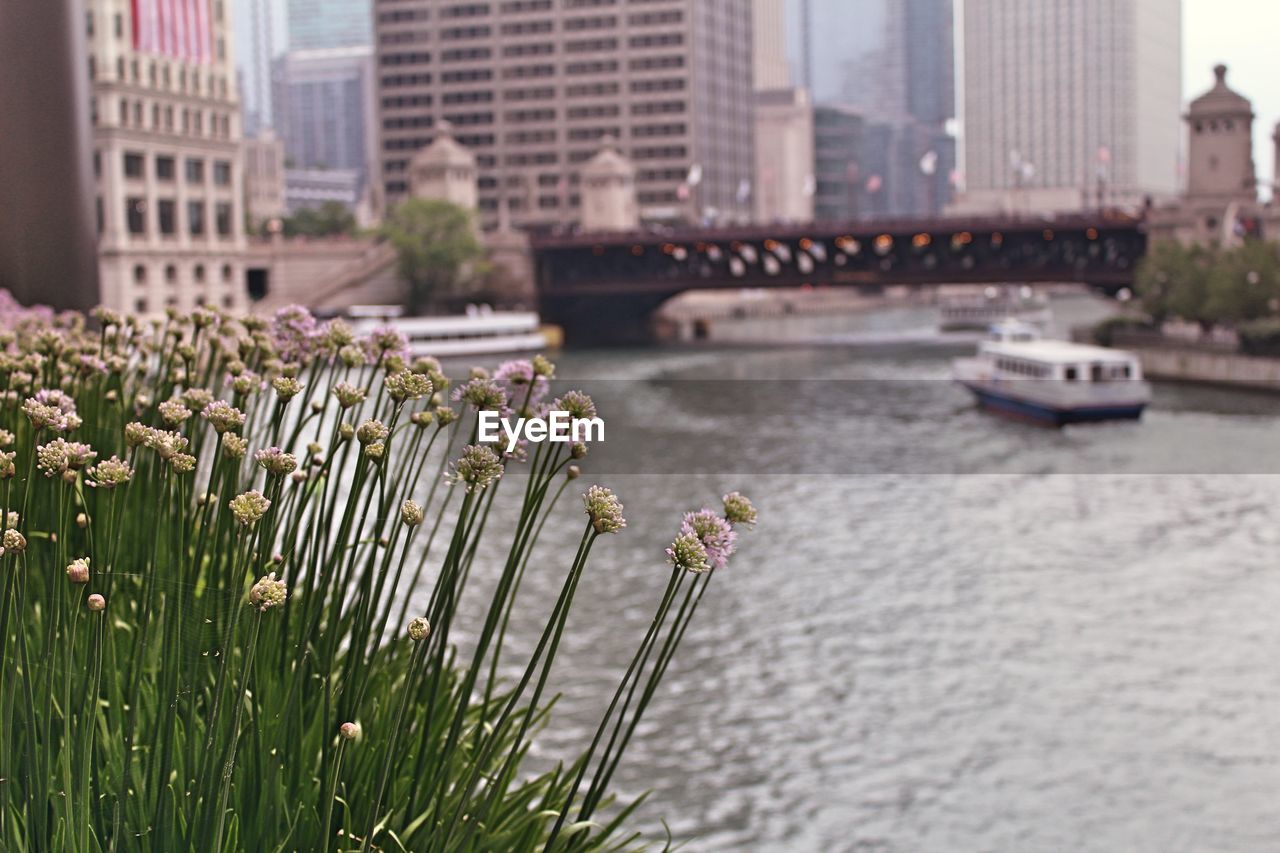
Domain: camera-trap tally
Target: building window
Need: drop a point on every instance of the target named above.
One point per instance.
(164, 169)
(195, 171)
(222, 213)
(195, 217)
(119, 20)
(198, 272)
(226, 272)
(135, 214)
(140, 306)
(222, 173)
(133, 164)
(171, 274)
(165, 214)
(140, 274)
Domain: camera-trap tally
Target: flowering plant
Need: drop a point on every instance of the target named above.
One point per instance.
(245, 510)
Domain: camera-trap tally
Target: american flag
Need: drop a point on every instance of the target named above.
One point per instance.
(179, 29)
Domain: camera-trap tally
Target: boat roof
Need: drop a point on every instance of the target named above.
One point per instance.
(1056, 352)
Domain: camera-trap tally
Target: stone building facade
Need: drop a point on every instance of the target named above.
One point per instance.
(1219, 204)
(167, 156)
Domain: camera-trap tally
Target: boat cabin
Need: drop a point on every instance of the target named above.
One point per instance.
(1016, 351)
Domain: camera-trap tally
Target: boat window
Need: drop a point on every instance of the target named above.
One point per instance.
(1125, 372)
(1095, 373)
(1071, 374)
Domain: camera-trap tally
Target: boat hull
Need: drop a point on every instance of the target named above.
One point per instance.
(1021, 408)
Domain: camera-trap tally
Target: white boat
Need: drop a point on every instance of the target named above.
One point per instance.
(977, 313)
(1017, 373)
(478, 332)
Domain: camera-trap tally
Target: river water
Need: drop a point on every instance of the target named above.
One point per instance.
(949, 632)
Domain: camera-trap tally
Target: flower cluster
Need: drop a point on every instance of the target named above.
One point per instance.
(715, 534)
(174, 412)
(372, 431)
(276, 462)
(268, 592)
(577, 404)
(386, 342)
(688, 553)
(223, 416)
(477, 467)
(348, 395)
(13, 542)
(109, 473)
(483, 393)
(411, 513)
(61, 456)
(249, 507)
(164, 442)
(78, 570)
(286, 387)
(604, 509)
(739, 510)
(293, 333)
(407, 386)
(53, 410)
(525, 384)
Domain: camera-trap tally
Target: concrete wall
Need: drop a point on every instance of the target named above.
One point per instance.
(327, 274)
(1218, 368)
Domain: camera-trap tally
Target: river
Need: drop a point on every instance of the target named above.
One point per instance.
(949, 632)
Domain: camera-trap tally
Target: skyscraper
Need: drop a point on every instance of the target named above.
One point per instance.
(769, 50)
(1068, 103)
(256, 37)
(166, 154)
(535, 87)
(319, 24)
(892, 62)
(324, 101)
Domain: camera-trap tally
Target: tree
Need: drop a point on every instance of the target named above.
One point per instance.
(1210, 285)
(438, 250)
(1172, 281)
(1243, 283)
(328, 220)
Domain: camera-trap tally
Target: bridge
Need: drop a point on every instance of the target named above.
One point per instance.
(604, 288)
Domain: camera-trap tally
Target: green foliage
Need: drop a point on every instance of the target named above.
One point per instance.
(1210, 285)
(437, 248)
(1105, 331)
(1260, 337)
(184, 683)
(331, 219)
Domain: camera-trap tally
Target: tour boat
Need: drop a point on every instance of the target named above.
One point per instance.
(1017, 373)
(977, 313)
(480, 331)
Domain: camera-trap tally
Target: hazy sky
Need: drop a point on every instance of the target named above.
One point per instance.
(1242, 34)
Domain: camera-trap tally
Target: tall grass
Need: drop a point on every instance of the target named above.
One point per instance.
(213, 530)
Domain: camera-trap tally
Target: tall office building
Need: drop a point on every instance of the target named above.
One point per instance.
(892, 62)
(1070, 102)
(255, 36)
(166, 154)
(533, 87)
(324, 105)
(319, 24)
(769, 44)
